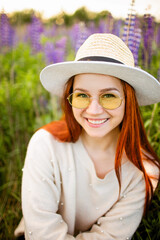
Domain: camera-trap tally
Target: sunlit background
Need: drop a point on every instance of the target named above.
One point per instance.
(48, 8)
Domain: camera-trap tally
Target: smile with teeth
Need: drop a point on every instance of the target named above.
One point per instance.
(97, 121)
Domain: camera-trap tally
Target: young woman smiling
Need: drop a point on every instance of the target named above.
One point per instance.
(100, 126)
(91, 175)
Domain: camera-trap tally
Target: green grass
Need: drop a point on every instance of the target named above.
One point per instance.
(24, 107)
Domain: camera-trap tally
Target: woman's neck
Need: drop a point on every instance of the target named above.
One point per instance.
(106, 143)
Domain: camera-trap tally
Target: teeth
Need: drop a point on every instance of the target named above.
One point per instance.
(97, 121)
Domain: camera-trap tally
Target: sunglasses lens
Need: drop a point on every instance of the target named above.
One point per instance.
(107, 100)
(79, 100)
(110, 101)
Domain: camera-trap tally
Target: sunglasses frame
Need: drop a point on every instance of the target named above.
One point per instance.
(90, 98)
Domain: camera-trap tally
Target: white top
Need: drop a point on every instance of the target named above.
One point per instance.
(62, 197)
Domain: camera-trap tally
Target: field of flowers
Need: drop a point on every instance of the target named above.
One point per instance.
(25, 106)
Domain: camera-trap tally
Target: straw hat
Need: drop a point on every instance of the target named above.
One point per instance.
(103, 54)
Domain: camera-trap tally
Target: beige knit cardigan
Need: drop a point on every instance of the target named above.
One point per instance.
(49, 194)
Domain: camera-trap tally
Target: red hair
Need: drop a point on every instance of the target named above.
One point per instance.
(132, 137)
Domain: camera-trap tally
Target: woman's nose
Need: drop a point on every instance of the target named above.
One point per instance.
(94, 107)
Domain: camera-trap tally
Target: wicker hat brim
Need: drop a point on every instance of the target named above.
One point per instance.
(147, 88)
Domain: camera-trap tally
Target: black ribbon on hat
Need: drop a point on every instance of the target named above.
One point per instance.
(99, 58)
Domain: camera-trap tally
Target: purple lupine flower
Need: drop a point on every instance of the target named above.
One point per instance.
(102, 26)
(132, 33)
(79, 34)
(6, 32)
(106, 26)
(158, 36)
(110, 23)
(83, 35)
(148, 35)
(117, 27)
(128, 31)
(92, 28)
(55, 53)
(60, 49)
(35, 31)
(61, 43)
(74, 33)
(59, 55)
(136, 39)
(49, 51)
(136, 44)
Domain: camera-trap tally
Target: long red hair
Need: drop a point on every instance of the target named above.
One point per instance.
(132, 137)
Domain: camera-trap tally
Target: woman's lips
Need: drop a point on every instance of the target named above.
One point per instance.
(96, 122)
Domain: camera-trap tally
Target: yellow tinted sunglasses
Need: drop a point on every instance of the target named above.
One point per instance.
(106, 100)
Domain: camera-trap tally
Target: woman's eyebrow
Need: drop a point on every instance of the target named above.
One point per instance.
(101, 91)
(80, 89)
(108, 89)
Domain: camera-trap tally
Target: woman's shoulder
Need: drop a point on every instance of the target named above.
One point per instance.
(152, 171)
(44, 140)
(42, 136)
(150, 164)
(43, 148)
(151, 167)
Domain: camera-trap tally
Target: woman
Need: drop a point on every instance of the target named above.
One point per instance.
(91, 176)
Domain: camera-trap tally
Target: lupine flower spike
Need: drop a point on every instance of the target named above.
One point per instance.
(55, 52)
(35, 31)
(148, 36)
(82, 35)
(6, 33)
(131, 33)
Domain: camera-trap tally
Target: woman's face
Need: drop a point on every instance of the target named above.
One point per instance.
(95, 120)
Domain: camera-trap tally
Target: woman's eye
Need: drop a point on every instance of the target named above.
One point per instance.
(108, 95)
(82, 95)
